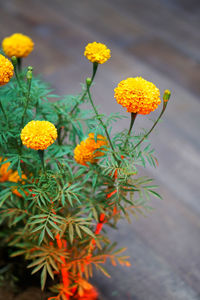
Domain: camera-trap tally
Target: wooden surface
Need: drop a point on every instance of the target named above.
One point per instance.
(159, 40)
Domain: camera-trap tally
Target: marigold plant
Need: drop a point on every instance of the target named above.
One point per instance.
(58, 189)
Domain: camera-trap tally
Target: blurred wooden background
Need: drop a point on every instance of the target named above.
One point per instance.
(159, 40)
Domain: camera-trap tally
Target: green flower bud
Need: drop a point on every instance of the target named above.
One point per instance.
(29, 73)
(166, 95)
(88, 81)
(14, 60)
(30, 68)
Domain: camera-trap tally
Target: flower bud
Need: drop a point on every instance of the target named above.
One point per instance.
(88, 81)
(29, 73)
(166, 95)
(14, 60)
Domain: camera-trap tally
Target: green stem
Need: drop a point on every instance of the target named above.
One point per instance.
(95, 66)
(41, 155)
(152, 128)
(59, 130)
(133, 117)
(100, 120)
(27, 101)
(19, 64)
(3, 111)
(17, 77)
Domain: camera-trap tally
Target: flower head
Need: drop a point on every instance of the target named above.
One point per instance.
(90, 150)
(18, 45)
(138, 95)
(4, 172)
(97, 52)
(6, 70)
(10, 175)
(15, 178)
(38, 135)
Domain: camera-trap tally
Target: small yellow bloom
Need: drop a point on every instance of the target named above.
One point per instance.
(138, 95)
(38, 135)
(6, 70)
(18, 45)
(97, 52)
(86, 151)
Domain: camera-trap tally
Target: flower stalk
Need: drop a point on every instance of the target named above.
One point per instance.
(29, 79)
(41, 156)
(15, 65)
(95, 67)
(19, 64)
(88, 83)
(3, 111)
(133, 117)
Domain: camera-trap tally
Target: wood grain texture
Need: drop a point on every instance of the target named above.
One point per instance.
(160, 41)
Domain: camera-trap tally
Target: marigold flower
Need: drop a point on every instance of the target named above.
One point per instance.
(14, 177)
(10, 175)
(4, 172)
(97, 52)
(138, 95)
(38, 135)
(87, 150)
(6, 70)
(18, 45)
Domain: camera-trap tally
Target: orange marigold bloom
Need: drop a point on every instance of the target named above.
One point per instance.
(18, 45)
(97, 52)
(4, 172)
(6, 70)
(38, 135)
(87, 150)
(10, 175)
(14, 177)
(138, 95)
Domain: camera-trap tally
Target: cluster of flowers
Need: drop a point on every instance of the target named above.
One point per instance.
(137, 95)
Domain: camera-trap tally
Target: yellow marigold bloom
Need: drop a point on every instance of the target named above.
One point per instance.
(18, 45)
(87, 150)
(97, 52)
(38, 135)
(6, 70)
(4, 172)
(138, 95)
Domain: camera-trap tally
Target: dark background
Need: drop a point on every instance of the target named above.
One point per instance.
(160, 41)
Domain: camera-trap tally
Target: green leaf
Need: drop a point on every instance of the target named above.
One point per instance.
(43, 277)
(88, 231)
(41, 237)
(71, 233)
(102, 270)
